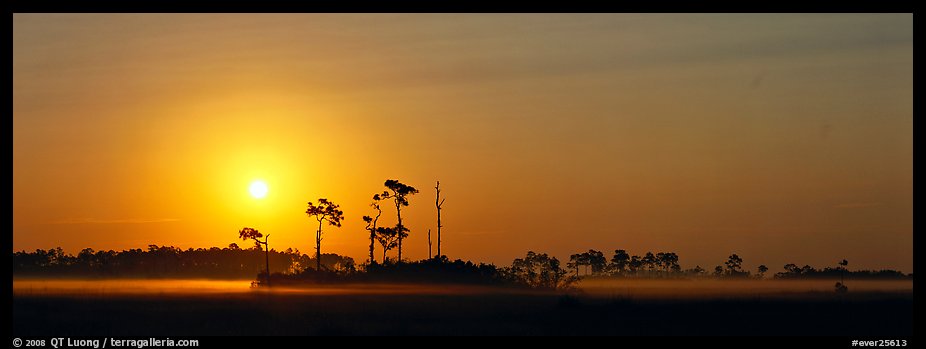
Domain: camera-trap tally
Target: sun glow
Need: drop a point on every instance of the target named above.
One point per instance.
(258, 189)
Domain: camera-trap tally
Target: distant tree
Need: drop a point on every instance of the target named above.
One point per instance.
(251, 233)
(597, 261)
(325, 211)
(762, 269)
(734, 264)
(697, 271)
(388, 238)
(87, 257)
(584, 260)
(172, 262)
(649, 261)
(792, 268)
(574, 263)
(400, 194)
(668, 261)
(718, 271)
(636, 263)
(538, 270)
(842, 266)
(371, 221)
(233, 246)
(620, 261)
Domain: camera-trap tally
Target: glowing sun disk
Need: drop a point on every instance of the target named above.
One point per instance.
(258, 189)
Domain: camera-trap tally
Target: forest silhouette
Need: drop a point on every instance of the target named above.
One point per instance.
(324, 293)
(534, 270)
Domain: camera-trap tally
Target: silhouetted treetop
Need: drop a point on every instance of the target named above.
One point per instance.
(249, 233)
(381, 196)
(326, 211)
(400, 191)
(387, 237)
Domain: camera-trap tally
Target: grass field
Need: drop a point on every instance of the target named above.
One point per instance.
(442, 310)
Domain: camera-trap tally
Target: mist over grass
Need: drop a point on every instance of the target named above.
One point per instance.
(732, 288)
(196, 307)
(198, 287)
(591, 287)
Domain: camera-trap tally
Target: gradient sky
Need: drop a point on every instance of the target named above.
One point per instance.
(782, 138)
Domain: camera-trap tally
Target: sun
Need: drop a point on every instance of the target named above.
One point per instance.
(258, 189)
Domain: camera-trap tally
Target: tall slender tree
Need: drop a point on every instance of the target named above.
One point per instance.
(371, 222)
(251, 233)
(842, 266)
(400, 193)
(326, 211)
(841, 285)
(438, 202)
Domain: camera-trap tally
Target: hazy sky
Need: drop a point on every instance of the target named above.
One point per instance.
(782, 138)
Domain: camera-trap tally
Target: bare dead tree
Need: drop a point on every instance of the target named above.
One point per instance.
(429, 243)
(437, 202)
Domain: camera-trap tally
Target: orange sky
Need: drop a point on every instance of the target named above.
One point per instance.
(783, 138)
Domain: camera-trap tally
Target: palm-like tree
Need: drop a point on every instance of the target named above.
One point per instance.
(326, 211)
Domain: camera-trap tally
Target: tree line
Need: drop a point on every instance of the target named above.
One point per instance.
(589, 263)
(536, 270)
(594, 263)
(230, 262)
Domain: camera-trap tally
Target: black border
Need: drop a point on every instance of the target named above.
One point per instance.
(279, 6)
(422, 6)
